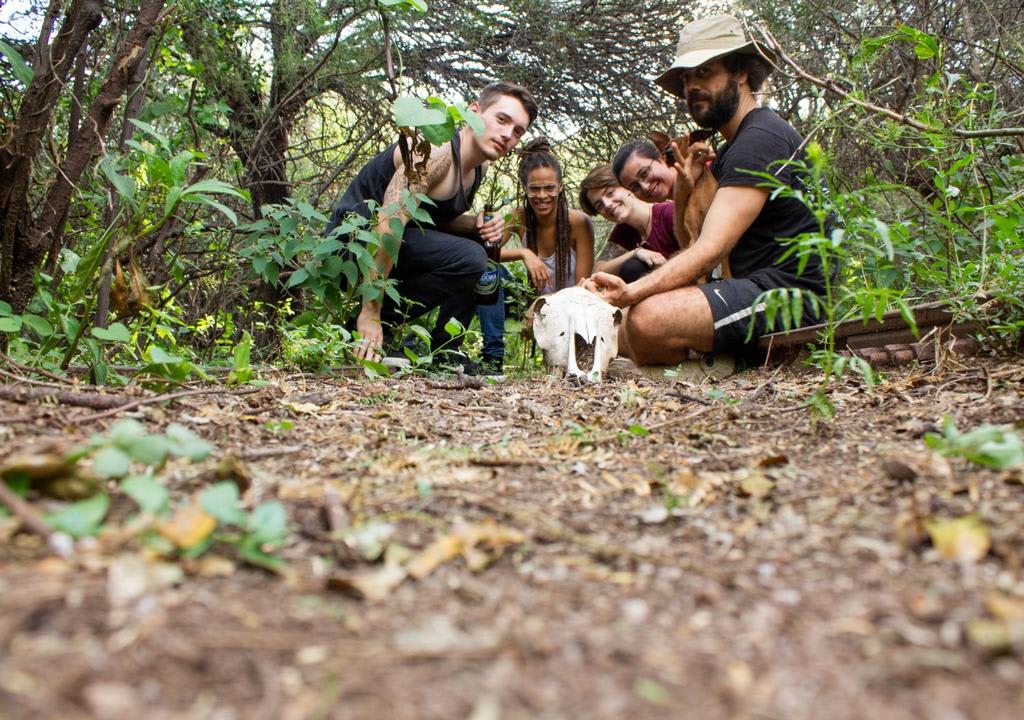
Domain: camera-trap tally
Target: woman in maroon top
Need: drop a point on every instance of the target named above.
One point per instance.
(644, 234)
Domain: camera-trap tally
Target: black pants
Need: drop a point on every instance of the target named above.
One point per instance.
(633, 269)
(436, 270)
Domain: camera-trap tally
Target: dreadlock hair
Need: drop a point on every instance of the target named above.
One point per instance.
(537, 154)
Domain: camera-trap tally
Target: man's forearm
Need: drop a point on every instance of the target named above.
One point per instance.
(679, 271)
(464, 225)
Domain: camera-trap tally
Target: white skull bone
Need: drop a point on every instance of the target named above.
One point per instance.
(574, 325)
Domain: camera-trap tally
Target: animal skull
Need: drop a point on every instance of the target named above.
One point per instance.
(577, 331)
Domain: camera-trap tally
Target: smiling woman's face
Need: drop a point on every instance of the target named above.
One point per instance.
(649, 179)
(542, 188)
(613, 203)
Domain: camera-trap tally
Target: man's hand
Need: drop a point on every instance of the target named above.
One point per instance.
(371, 334)
(691, 163)
(651, 258)
(492, 230)
(539, 272)
(610, 288)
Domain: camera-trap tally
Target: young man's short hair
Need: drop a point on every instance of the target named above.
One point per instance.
(756, 68)
(597, 179)
(490, 94)
(643, 148)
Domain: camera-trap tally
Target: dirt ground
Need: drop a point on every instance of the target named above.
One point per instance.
(529, 549)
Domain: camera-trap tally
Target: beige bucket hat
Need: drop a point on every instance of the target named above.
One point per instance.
(705, 40)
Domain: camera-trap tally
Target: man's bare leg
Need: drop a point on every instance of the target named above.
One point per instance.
(662, 329)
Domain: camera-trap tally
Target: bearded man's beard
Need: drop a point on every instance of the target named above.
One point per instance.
(720, 110)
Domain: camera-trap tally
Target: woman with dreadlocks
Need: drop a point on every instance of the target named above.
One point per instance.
(557, 242)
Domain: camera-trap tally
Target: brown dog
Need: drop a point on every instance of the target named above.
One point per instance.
(701, 197)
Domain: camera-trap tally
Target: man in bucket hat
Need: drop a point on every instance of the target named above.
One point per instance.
(717, 70)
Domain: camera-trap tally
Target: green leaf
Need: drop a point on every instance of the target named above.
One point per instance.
(173, 198)
(160, 356)
(185, 443)
(22, 70)
(221, 501)
(252, 554)
(267, 523)
(125, 431)
(124, 184)
(297, 277)
(639, 430)
(148, 449)
(411, 112)
(5, 309)
(242, 352)
(438, 135)
(10, 324)
(111, 462)
(147, 492)
(472, 119)
(453, 327)
(116, 332)
(18, 483)
(218, 187)
(220, 207)
(80, 519)
(39, 325)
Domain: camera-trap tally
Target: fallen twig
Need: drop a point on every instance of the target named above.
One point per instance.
(504, 462)
(464, 382)
(24, 512)
(35, 371)
(158, 398)
(27, 380)
(96, 401)
(260, 453)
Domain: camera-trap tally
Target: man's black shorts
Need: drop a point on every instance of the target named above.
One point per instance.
(733, 308)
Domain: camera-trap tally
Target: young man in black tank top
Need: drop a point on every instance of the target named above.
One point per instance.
(717, 70)
(437, 265)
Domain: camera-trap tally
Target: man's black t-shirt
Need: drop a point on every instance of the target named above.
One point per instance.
(761, 141)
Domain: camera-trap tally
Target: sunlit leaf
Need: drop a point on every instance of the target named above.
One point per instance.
(221, 501)
(111, 462)
(965, 539)
(38, 324)
(22, 70)
(185, 443)
(116, 332)
(81, 519)
(147, 492)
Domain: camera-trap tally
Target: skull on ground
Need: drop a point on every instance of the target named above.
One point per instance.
(577, 332)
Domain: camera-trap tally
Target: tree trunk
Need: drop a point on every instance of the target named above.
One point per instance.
(18, 240)
(86, 144)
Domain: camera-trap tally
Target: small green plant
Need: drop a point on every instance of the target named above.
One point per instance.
(844, 236)
(242, 372)
(279, 427)
(991, 446)
(252, 533)
(116, 456)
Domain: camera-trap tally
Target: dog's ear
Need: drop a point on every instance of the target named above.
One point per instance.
(661, 140)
